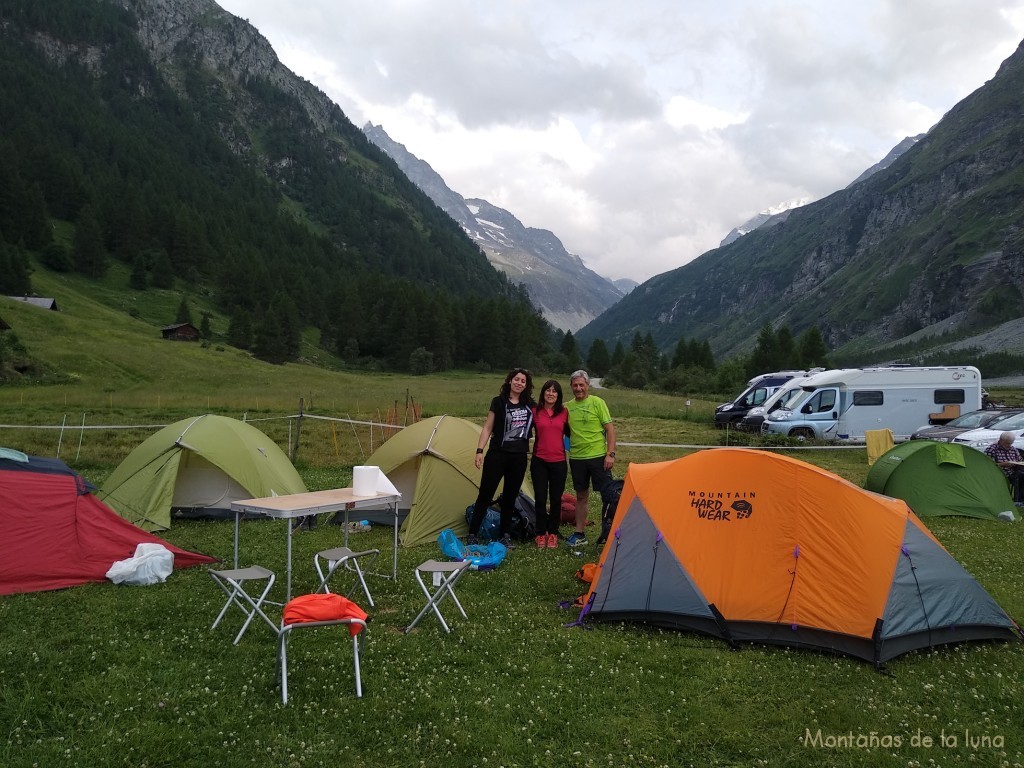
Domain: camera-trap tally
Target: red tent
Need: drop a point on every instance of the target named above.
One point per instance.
(54, 533)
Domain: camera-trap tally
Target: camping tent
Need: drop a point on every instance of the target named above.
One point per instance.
(431, 464)
(941, 479)
(751, 546)
(200, 465)
(55, 533)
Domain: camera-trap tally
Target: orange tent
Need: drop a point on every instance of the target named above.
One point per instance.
(751, 546)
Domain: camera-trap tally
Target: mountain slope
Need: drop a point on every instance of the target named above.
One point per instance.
(166, 135)
(934, 236)
(568, 293)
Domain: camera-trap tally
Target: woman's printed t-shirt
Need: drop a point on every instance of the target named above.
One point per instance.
(550, 444)
(586, 427)
(512, 424)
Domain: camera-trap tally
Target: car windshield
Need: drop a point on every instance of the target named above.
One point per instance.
(786, 397)
(1010, 422)
(975, 419)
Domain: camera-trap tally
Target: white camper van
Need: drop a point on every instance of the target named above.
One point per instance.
(843, 404)
(758, 389)
(783, 397)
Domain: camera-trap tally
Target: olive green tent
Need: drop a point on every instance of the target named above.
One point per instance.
(199, 466)
(431, 464)
(937, 478)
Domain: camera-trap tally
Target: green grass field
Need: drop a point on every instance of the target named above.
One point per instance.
(120, 676)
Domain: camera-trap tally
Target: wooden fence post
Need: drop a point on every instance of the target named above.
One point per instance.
(298, 431)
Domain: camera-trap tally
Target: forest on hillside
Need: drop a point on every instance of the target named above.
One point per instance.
(101, 161)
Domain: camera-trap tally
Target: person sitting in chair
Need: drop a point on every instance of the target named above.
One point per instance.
(1008, 459)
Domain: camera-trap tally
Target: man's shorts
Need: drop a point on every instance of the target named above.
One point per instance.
(587, 472)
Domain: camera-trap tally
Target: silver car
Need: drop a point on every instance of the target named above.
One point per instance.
(986, 419)
(983, 438)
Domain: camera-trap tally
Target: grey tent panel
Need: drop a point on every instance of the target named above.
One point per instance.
(932, 593)
(643, 574)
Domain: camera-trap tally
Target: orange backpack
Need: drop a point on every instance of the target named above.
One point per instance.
(587, 572)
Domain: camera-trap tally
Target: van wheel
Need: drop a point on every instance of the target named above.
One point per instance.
(802, 433)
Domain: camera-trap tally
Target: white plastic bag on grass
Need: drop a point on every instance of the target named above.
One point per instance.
(151, 564)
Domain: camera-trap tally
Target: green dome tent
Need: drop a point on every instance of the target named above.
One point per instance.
(431, 464)
(200, 464)
(941, 479)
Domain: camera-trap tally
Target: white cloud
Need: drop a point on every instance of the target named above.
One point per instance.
(640, 133)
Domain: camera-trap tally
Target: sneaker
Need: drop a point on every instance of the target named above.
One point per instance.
(576, 540)
(506, 542)
(552, 541)
(541, 541)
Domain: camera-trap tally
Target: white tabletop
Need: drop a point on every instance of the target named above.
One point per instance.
(313, 502)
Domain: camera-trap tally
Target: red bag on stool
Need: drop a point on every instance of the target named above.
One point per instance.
(323, 607)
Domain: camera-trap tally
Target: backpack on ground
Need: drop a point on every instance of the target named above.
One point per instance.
(524, 520)
(609, 502)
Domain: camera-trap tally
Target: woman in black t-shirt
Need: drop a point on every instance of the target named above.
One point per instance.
(508, 426)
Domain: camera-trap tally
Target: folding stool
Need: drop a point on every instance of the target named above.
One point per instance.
(343, 556)
(445, 576)
(232, 582)
(282, 649)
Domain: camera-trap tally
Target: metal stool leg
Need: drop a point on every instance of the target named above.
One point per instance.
(343, 556)
(452, 571)
(232, 583)
(282, 650)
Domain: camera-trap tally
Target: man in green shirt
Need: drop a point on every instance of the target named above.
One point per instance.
(591, 448)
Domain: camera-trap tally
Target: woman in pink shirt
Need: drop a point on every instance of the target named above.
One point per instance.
(548, 469)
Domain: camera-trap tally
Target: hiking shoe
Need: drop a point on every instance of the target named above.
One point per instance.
(506, 542)
(576, 540)
(552, 541)
(542, 541)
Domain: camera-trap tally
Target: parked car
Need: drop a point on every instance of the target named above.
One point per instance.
(983, 438)
(984, 419)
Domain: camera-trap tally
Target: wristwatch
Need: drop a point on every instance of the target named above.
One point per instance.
(612, 454)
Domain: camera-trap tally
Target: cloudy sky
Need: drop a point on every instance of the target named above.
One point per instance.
(641, 132)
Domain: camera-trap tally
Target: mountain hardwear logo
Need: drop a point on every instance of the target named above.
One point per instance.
(712, 505)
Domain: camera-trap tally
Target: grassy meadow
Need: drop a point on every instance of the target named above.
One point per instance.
(127, 676)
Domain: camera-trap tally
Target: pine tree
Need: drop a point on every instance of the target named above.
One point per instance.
(139, 279)
(813, 352)
(571, 351)
(240, 329)
(681, 355)
(598, 360)
(789, 357)
(14, 271)
(765, 357)
(87, 250)
(184, 315)
(618, 354)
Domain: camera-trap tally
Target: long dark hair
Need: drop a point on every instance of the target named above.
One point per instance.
(506, 389)
(552, 384)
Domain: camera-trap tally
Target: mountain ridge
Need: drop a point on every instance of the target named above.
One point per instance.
(567, 292)
(932, 236)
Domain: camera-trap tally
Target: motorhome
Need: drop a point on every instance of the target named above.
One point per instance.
(843, 404)
(758, 389)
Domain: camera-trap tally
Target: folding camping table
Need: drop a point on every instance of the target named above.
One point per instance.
(295, 505)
